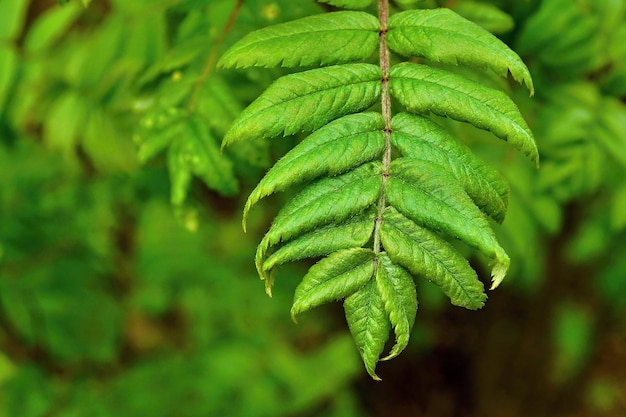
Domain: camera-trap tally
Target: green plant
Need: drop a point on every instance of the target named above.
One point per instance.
(111, 119)
(385, 187)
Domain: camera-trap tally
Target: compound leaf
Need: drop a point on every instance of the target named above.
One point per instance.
(334, 277)
(425, 254)
(397, 291)
(307, 101)
(419, 137)
(423, 89)
(329, 38)
(441, 35)
(369, 324)
(341, 145)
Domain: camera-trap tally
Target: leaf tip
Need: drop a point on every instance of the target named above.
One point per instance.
(373, 375)
(269, 282)
(246, 213)
(294, 313)
(499, 270)
(223, 63)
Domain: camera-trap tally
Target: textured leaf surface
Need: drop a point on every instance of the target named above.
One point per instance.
(343, 144)
(425, 254)
(429, 196)
(353, 233)
(335, 277)
(328, 38)
(329, 200)
(418, 137)
(423, 89)
(397, 291)
(441, 35)
(369, 324)
(307, 101)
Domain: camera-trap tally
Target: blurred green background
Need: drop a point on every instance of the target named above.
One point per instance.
(128, 289)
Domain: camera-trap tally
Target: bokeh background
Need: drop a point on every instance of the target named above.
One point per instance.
(128, 289)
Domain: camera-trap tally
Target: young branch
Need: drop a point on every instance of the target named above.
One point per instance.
(209, 66)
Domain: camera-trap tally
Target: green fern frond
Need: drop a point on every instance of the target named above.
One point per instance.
(382, 193)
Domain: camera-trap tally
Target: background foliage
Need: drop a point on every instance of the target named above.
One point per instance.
(128, 289)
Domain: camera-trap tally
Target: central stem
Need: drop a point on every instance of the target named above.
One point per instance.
(383, 16)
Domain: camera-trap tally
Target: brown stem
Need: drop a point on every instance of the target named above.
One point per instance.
(383, 16)
(210, 63)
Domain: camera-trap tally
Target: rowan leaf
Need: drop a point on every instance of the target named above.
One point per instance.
(307, 101)
(369, 324)
(327, 201)
(424, 89)
(419, 137)
(429, 196)
(335, 277)
(352, 233)
(441, 35)
(425, 254)
(341, 145)
(397, 291)
(324, 39)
